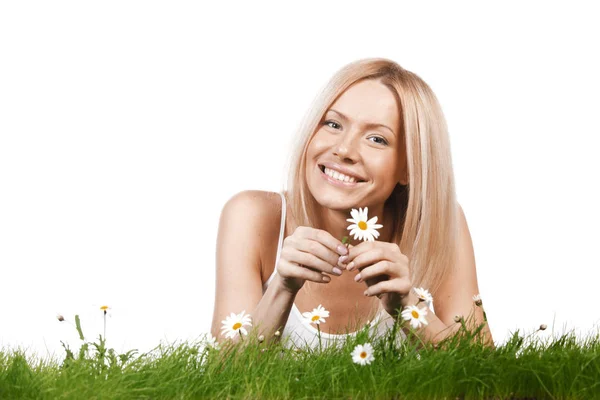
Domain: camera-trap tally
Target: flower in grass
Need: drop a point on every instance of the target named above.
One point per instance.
(104, 309)
(234, 324)
(458, 318)
(415, 315)
(261, 338)
(543, 327)
(477, 300)
(418, 356)
(211, 341)
(363, 228)
(60, 317)
(363, 354)
(424, 295)
(316, 316)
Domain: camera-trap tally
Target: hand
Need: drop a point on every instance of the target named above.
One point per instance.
(385, 270)
(306, 255)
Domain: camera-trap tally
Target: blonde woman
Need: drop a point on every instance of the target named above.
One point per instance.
(376, 137)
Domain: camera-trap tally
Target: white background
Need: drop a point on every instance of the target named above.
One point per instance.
(126, 126)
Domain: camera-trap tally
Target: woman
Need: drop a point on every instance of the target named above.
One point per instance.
(375, 138)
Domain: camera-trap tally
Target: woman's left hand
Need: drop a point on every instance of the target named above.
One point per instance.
(385, 270)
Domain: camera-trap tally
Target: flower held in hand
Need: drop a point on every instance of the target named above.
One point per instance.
(362, 228)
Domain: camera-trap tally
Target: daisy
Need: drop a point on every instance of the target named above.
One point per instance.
(424, 295)
(477, 300)
(363, 354)
(361, 228)
(235, 323)
(415, 315)
(211, 341)
(316, 316)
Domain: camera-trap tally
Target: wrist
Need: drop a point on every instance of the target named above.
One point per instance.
(282, 288)
(411, 299)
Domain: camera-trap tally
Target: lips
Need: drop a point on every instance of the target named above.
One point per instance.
(341, 170)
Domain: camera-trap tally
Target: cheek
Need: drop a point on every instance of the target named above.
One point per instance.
(318, 144)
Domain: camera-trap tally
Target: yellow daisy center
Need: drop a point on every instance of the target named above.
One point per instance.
(237, 326)
(104, 308)
(362, 225)
(363, 354)
(415, 314)
(315, 318)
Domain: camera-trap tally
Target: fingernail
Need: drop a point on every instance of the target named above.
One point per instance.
(357, 278)
(350, 266)
(342, 250)
(343, 258)
(337, 271)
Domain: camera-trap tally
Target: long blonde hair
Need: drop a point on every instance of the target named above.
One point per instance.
(425, 210)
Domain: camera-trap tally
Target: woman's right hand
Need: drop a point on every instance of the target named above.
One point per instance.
(308, 254)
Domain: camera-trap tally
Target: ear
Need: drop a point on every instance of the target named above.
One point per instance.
(403, 176)
(404, 180)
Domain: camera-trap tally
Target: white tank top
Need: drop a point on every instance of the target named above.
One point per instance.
(302, 334)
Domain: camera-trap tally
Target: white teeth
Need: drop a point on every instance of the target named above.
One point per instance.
(339, 176)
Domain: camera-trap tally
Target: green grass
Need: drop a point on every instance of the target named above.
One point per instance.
(564, 367)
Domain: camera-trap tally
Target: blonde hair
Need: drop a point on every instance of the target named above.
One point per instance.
(425, 210)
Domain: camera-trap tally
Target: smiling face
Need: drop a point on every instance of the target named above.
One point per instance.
(359, 137)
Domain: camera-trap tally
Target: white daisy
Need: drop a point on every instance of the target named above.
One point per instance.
(477, 299)
(211, 341)
(424, 295)
(363, 354)
(235, 323)
(316, 316)
(415, 315)
(363, 228)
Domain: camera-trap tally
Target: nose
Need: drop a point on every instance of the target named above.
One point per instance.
(345, 149)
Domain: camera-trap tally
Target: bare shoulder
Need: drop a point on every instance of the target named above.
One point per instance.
(253, 206)
(254, 216)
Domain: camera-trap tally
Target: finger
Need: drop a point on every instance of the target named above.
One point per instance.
(317, 249)
(370, 256)
(322, 237)
(398, 286)
(311, 261)
(372, 271)
(388, 286)
(301, 271)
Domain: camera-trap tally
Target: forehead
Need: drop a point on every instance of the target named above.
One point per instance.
(369, 101)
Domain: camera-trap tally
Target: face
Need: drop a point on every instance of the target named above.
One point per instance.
(359, 137)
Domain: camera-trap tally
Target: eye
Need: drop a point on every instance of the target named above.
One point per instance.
(381, 140)
(329, 123)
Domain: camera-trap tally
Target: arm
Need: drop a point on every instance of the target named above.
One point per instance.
(247, 220)
(455, 295)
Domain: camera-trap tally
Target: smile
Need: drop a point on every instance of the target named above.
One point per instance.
(338, 178)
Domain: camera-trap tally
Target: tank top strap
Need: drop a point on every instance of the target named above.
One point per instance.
(280, 242)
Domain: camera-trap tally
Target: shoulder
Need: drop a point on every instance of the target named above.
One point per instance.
(254, 213)
(251, 221)
(253, 204)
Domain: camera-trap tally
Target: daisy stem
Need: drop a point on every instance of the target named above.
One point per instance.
(241, 336)
(319, 332)
(104, 324)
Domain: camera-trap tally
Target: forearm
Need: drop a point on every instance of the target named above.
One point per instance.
(436, 330)
(271, 312)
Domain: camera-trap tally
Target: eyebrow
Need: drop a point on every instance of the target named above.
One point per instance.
(368, 124)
